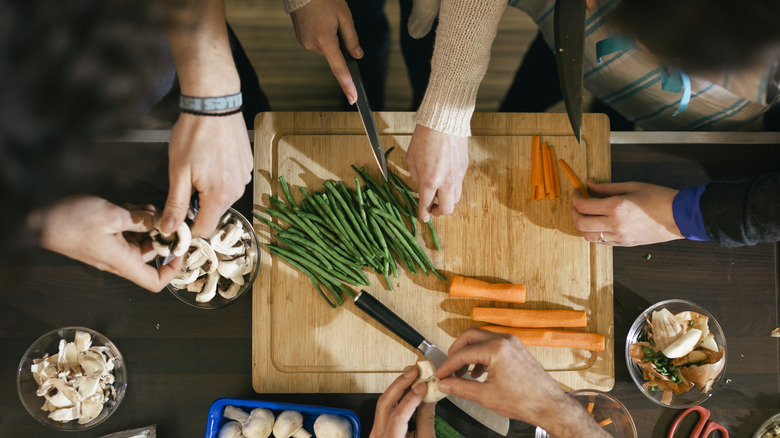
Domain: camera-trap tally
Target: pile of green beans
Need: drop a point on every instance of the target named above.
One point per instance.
(332, 234)
(663, 364)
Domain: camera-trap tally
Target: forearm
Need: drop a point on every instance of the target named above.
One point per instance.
(566, 418)
(464, 38)
(743, 213)
(201, 50)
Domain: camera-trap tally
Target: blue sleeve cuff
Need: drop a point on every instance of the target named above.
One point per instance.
(686, 209)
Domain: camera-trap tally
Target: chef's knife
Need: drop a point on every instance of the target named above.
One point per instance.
(366, 116)
(569, 30)
(367, 303)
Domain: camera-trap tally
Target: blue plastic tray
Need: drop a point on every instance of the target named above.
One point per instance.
(310, 413)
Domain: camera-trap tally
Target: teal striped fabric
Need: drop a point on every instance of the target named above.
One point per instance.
(653, 96)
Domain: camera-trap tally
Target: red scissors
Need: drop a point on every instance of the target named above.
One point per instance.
(703, 428)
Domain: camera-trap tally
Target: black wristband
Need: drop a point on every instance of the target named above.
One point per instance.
(217, 104)
(203, 113)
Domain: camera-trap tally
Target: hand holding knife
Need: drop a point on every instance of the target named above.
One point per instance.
(395, 324)
(366, 116)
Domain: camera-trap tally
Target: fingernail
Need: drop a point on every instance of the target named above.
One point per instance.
(444, 387)
(359, 52)
(418, 388)
(409, 372)
(352, 100)
(167, 224)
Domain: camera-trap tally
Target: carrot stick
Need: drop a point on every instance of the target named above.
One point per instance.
(466, 287)
(605, 422)
(530, 317)
(556, 183)
(552, 338)
(590, 408)
(573, 177)
(536, 177)
(549, 185)
(539, 193)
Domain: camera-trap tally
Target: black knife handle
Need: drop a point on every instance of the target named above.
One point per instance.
(367, 303)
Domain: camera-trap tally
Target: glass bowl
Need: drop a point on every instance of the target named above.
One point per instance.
(767, 426)
(27, 386)
(638, 331)
(219, 301)
(607, 409)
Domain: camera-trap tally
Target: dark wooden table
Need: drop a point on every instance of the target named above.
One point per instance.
(181, 359)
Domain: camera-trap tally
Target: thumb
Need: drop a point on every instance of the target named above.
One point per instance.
(421, 19)
(467, 389)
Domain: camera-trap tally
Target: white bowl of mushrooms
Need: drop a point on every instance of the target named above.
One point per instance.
(71, 378)
(216, 271)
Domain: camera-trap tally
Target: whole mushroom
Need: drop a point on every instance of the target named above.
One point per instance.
(260, 424)
(290, 424)
(332, 426)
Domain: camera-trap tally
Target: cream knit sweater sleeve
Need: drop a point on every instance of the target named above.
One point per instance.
(292, 5)
(464, 38)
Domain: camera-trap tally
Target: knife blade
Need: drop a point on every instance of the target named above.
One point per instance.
(569, 33)
(374, 308)
(366, 116)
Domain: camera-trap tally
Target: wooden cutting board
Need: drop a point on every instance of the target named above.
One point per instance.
(496, 233)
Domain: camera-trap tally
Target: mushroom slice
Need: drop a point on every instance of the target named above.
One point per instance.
(65, 415)
(93, 363)
(83, 341)
(203, 256)
(176, 243)
(232, 268)
(197, 285)
(227, 240)
(230, 292)
(183, 278)
(209, 290)
(89, 410)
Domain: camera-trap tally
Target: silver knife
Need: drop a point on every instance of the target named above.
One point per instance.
(367, 303)
(366, 116)
(569, 32)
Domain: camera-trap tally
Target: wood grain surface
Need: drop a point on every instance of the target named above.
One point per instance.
(497, 233)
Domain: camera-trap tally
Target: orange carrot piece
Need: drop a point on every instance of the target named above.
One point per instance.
(530, 317)
(590, 408)
(539, 193)
(536, 177)
(573, 177)
(553, 338)
(466, 287)
(605, 422)
(556, 182)
(549, 184)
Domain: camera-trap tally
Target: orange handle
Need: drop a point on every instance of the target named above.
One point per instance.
(704, 415)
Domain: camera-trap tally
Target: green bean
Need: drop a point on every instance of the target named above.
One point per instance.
(328, 275)
(311, 276)
(287, 194)
(267, 222)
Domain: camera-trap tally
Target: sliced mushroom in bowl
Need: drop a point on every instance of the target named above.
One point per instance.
(218, 270)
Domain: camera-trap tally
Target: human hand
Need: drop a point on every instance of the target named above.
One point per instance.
(516, 385)
(437, 163)
(108, 237)
(210, 155)
(626, 214)
(395, 407)
(318, 26)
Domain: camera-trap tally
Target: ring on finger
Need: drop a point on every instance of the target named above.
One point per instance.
(601, 238)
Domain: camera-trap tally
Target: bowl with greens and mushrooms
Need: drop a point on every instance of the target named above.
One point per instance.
(676, 353)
